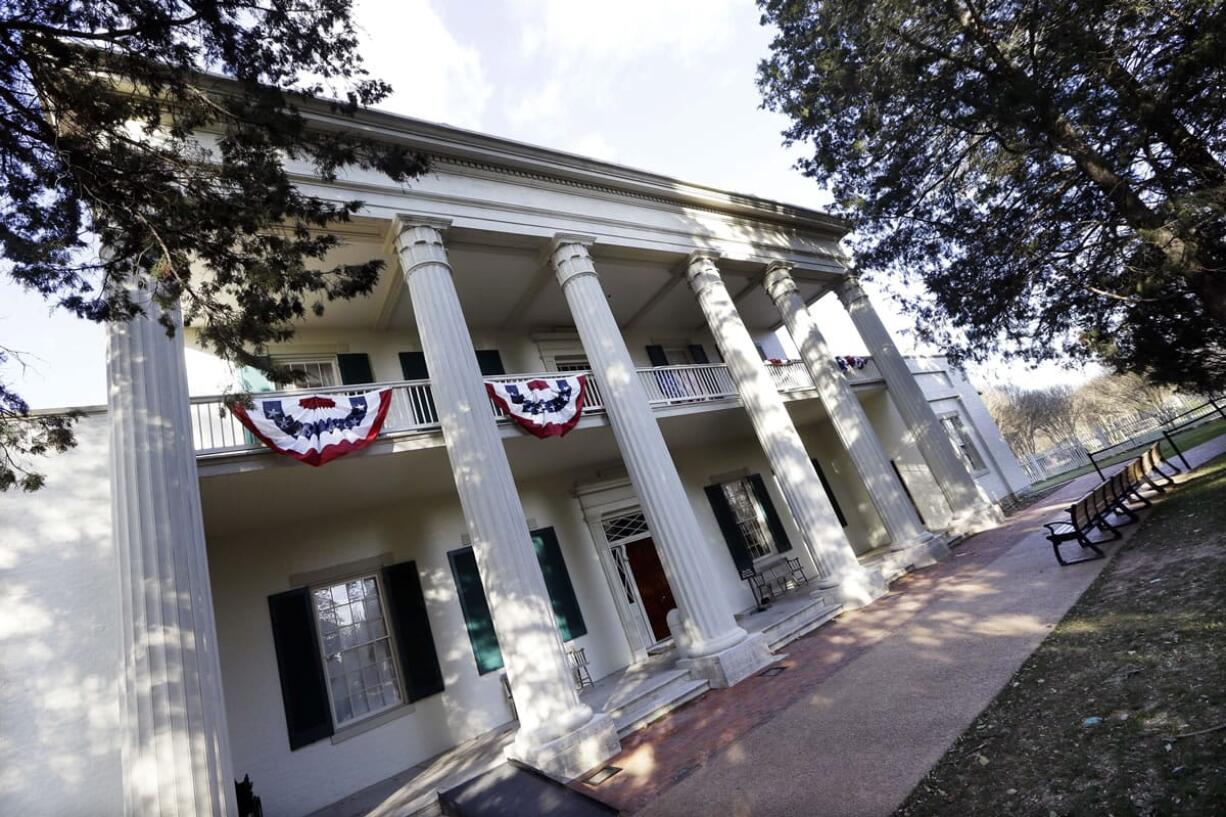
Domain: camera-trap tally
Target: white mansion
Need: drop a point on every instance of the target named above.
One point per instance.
(184, 607)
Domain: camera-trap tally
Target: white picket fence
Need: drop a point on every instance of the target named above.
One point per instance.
(1137, 429)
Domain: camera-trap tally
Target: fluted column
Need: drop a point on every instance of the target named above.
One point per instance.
(557, 732)
(779, 438)
(176, 755)
(971, 509)
(713, 642)
(901, 521)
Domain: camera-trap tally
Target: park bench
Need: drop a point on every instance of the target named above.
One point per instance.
(1095, 518)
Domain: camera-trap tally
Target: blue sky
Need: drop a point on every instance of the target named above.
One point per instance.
(662, 85)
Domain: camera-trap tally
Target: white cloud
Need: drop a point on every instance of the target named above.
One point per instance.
(434, 76)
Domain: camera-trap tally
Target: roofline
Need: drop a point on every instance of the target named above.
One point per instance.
(450, 142)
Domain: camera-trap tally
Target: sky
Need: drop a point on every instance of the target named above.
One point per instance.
(661, 85)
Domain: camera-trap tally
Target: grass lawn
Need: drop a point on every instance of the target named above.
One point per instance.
(1184, 439)
(1122, 709)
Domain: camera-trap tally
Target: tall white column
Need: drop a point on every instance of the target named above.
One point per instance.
(557, 732)
(901, 521)
(779, 438)
(972, 510)
(712, 642)
(176, 753)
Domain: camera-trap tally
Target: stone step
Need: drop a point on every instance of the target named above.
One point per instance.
(801, 622)
(653, 699)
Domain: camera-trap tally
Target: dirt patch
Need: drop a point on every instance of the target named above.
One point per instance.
(1117, 712)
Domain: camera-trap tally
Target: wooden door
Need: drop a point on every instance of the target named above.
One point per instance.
(653, 586)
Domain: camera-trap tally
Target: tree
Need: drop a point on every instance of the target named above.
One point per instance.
(1051, 172)
(103, 104)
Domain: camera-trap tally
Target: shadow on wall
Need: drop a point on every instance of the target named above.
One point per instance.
(59, 638)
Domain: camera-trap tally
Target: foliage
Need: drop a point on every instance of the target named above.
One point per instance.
(104, 104)
(24, 435)
(1052, 172)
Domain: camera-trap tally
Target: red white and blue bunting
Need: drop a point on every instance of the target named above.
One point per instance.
(316, 428)
(848, 362)
(543, 408)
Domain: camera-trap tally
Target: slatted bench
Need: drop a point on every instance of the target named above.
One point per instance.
(1095, 519)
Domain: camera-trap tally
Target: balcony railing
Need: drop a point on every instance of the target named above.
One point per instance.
(215, 430)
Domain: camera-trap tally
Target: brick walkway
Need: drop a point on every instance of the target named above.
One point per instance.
(708, 756)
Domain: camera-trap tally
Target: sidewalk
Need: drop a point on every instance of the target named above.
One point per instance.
(866, 705)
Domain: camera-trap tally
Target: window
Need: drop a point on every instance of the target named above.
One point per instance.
(357, 648)
(311, 373)
(960, 436)
(571, 363)
(750, 517)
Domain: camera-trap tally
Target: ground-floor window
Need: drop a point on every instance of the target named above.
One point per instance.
(964, 444)
(357, 648)
(750, 517)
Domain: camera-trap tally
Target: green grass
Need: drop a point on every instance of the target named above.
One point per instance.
(1144, 650)
(1190, 438)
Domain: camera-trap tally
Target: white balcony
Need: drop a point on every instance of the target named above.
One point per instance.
(216, 432)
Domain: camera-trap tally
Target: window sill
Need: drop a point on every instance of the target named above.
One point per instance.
(373, 722)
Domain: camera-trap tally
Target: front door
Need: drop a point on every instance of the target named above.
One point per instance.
(652, 585)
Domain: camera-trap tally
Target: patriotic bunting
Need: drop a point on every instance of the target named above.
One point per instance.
(543, 408)
(316, 428)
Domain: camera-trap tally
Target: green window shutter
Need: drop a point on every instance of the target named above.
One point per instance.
(727, 525)
(406, 608)
(255, 381)
(355, 369)
(698, 353)
(778, 532)
(490, 362)
(557, 582)
(834, 502)
(308, 715)
(413, 366)
(476, 610)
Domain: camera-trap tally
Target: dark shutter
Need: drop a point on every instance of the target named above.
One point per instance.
(413, 366)
(476, 610)
(656, 355)
(406, 607)
(557, 582)
(761, 351)
(355, 369)
(698, 353)
(778, 532)
(490, 362)
(308, 716)
(907, 491)
(727, 524)
(834, 502)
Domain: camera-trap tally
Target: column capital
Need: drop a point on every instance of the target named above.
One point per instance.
(569, 255)
(849, 290)
(778, 280)
(701, 270)
(418, 240)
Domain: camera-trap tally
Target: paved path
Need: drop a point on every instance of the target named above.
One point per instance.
(867, 704)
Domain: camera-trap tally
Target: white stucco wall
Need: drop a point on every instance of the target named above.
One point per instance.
(59, 639)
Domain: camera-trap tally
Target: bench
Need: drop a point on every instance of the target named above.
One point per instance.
(774, 579)
(1091, 522)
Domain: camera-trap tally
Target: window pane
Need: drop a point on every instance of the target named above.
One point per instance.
(357, 648)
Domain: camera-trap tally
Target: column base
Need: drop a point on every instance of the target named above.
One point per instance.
(976, 520)
(924, 551)
(733, 665)
(574, 753)
(858, 588)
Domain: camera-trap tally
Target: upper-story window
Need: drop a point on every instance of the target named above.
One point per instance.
(750, 517)
(571, 363)
(363, 678)
(311, 373)
(964, 444)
